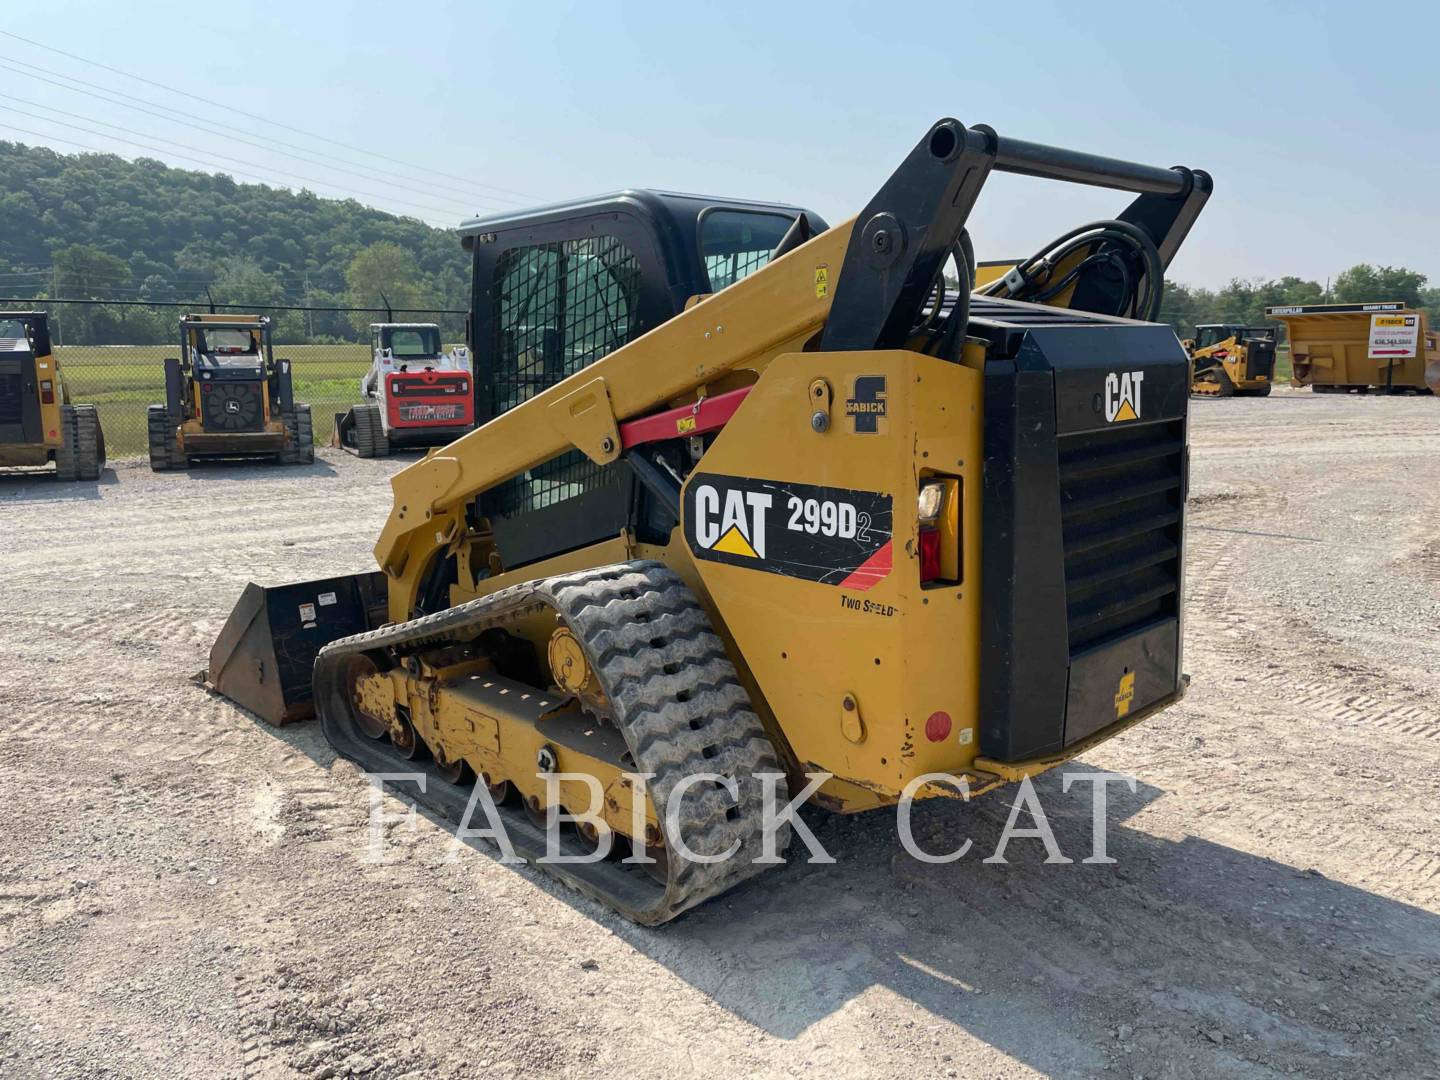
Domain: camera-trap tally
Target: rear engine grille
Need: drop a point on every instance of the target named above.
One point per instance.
(11, 407)
(1261, 359)
(1121, 498)
(232, 407)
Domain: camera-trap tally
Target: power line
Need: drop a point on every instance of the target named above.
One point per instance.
(198, 150)
(440, 190)
(252, 116)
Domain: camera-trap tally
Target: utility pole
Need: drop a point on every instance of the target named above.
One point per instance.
(54, 290)
(309, 315)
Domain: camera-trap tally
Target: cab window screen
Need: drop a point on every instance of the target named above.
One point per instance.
(558, 308)
(418, 342)
(735, 243)
(223, 341)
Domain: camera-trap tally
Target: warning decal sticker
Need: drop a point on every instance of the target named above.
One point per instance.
(835, 536)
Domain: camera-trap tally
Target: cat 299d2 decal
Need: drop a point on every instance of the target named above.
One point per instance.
(835, 536)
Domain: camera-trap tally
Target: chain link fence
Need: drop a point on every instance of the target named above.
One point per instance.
(112, 355)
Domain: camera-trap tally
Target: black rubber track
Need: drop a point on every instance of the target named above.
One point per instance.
(301, 450)
(81, 454)
(370, 440)
(164, 448)
(674, 695)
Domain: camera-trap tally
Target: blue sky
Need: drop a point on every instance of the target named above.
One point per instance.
(1318, 121)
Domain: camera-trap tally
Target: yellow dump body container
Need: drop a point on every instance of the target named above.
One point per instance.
(1358, 346)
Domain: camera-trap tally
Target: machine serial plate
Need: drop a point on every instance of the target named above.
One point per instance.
(836, 536)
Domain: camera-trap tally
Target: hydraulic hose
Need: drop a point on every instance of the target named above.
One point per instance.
(1111, 245)
(947, 333)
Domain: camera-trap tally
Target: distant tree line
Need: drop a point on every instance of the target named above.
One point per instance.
(98, 226)
(1244, 301)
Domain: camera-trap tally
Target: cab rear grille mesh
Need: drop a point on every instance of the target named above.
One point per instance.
(558, 308)
(1121, 500)
(11, 407)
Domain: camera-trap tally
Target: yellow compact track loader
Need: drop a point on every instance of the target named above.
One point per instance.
(1359, 348)
(38, 422)
(226, 396)
(755, 500)
(1227, 360)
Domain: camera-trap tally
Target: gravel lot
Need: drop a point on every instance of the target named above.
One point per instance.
(183, 890)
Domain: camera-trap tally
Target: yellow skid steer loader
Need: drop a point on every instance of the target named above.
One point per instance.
(830, 518)
(38, 421)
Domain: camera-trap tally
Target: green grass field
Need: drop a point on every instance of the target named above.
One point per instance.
(124, 380)
(1282, 365)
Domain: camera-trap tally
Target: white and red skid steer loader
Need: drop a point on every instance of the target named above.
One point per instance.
(415, 394)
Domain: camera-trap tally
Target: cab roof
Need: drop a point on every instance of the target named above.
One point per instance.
(667, 210)
(252, 322)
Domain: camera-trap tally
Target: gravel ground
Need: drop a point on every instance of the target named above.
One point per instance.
(183, 890)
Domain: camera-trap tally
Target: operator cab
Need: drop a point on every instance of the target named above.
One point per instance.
(226, 348)
(1214, 333)
(13, 334)
(236, 349)
(559, 287)
(25, 332)
(406, 343)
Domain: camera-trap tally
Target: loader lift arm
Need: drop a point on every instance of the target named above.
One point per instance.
(889, 258)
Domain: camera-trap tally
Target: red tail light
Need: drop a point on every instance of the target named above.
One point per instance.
(939, 532)
(930, 568)
(47, 392)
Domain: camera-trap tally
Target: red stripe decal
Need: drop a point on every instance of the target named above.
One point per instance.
(872, 571)
(708, 414)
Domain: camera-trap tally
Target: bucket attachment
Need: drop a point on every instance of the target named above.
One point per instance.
(343, 436)
(264, 655)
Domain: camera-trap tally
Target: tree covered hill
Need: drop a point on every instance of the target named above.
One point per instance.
(99, 226)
